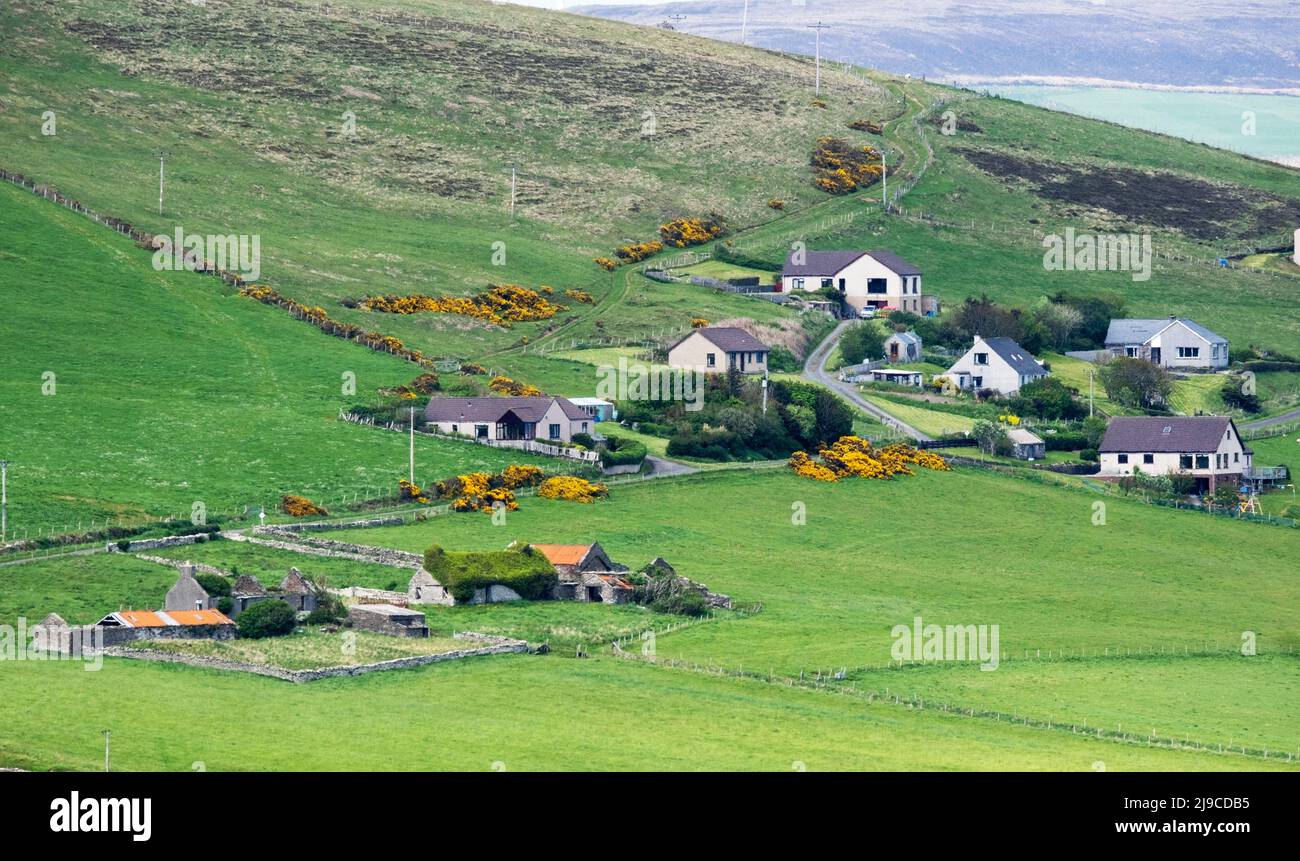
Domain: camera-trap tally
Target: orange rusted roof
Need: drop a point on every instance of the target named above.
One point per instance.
(141, 619)
(563, 554)
(199, 617)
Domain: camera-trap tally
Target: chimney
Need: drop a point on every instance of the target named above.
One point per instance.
(187, 569)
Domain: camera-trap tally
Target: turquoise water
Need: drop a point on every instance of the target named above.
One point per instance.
(1213, 118)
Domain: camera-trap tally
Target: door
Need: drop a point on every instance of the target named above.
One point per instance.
(893, 352)
(1155, 355)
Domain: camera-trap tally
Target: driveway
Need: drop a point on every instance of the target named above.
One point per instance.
(815, 370)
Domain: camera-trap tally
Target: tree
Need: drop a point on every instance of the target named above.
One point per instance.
(1047, 398)
(1136, 383)
(1235, 395)
(270, 618)
(861, 343)
(1225, 495)
(1061, 322)
(991, 438)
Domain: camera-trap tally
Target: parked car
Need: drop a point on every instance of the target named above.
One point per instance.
(866, 313)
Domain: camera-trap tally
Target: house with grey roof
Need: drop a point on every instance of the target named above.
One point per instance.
(718, 349)
(1209, 448)
(493, 419)
(1170, 342)
(187, 594)
(877, 279)
(903, 347)
(999, 364)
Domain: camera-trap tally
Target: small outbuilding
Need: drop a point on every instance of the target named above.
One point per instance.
(1026, 445)
(388, 619)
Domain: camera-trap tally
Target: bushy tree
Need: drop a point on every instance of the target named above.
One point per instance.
(862, 342)
(1136, 383)
(991, 438)
(270, 618)
(1234, 394)
(1047, 398)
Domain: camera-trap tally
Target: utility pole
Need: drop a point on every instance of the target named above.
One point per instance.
(412, 477)
(819, 26)
(4, 499)
(1090, 390)
(884, 180)
(162, 157)
(764, 391)
(512, 192)
(744, 21)
(676, 18)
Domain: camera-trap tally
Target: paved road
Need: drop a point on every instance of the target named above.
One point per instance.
(663, 467)
(815, 369)
(1284, 418)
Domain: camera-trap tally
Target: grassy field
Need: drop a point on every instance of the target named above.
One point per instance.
(512, 712)
(81, 589)
(928, 421)
(271, 564)
(1198, 394)
(199, 395)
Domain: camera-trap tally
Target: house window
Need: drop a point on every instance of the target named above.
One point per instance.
(1184, 461)
(1123, 458)
(1202, 461)
(1148, 458)
(711, 360)
(977, 382)
(981, 358)
(1131, 352)
(797, 283)
(554, 433)
(584, 427)
(828, 282)
(1236, 457)
(877, 285)
(1189, 352)
(455, 428)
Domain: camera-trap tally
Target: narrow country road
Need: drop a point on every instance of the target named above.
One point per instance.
(1284, 418)
(814, 369)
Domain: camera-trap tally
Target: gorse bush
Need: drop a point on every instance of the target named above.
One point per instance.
(502, 304)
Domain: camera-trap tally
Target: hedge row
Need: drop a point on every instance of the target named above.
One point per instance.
(620, 451)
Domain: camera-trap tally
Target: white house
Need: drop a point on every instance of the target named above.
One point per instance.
(879, 279)
(601, 410)
(1170, 342)
(717, 349)
(1206, 447)
(509, 418)
(999, 364)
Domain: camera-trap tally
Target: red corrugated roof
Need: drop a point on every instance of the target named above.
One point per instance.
(563, 554)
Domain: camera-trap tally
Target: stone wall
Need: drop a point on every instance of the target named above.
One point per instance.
(155, 543)
(319, 526)
(177, 563)
(493, 646)
(338, 550)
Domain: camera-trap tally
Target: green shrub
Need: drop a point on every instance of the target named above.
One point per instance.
(329, 608)
(683, 603)
(525, 570)
(620, 451)
(225, 605)
(1090, 455)
(214, 584)
(584, 439)
(266, 619)
(782, 361)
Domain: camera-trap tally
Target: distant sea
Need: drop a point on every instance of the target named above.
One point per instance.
(1213, 118)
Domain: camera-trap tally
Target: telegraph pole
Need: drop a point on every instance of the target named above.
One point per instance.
(412, 445)
(1091, 374)
(4, 499)
(744, 21)
(819, 26)
(162, 157)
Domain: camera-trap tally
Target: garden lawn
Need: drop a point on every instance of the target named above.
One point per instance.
(927, 421)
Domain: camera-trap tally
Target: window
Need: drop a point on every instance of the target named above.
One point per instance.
(828, 282)
(1189, 352)
(1236, 457)
(584, 427)
(1148, 458)
(981, 358)
(1202, 461)
(877, 285)
(1131, 352)
(1123, 458)
(796, 284)
(977, 382)
(711, 360)
(1184, 461)
(455, 428)
(555, 432)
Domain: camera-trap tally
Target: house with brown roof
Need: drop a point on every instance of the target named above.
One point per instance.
(877, 279)
(1208, 448)
(586, 573)
(509, 418)
(718, 349)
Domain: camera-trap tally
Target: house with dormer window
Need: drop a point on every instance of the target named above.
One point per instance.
(875, 279)
(1205, 447)
(999, 364)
